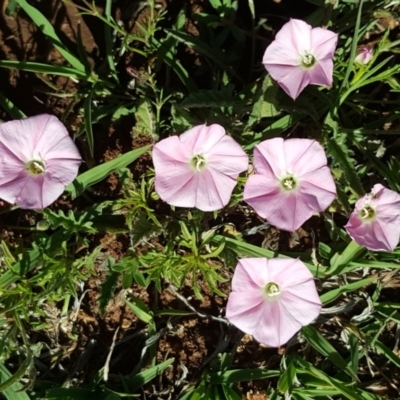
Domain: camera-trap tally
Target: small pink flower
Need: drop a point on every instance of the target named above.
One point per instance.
(199, 168)
(301, 55)
(364, 56)
(375, 221)
(37, 160)
(291, 182)
(272, 299)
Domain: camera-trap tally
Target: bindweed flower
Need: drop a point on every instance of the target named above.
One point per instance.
(37, 160)
(199, 168)
(375, 221)
(301, 55)
(291, 182)
(364, 56)
(272, 299)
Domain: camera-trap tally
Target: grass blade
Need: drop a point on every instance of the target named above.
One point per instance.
(97, 174)
(47, 28)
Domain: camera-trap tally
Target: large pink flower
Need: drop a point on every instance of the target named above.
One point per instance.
(272, 299)
(37, 160)
(291, 182)
(375, 221)
(199, 168)
(301, 55)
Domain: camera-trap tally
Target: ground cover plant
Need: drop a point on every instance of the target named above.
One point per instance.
(199, 199)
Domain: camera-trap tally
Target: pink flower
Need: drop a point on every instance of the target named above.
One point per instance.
(291, 182)
(272, 299)
(301, 55)
(364, 56)
(199, 168)
(37, 160)
(375, 221)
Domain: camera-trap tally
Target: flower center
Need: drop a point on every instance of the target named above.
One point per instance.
(288, 183)
(308, 60)
(367, 213)
(272, 290)
(35, 167)
(198, 162)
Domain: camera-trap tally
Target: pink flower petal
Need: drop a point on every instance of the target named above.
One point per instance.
(323, 43)
(13, 138)
(298, 35)
(169, 152)
(42, 139)
(278, 55)
(288, 272)
(250, 274)
(61, 170)
(284, 57)
(272, 328)
(9, 169)
(382, 233)
(213, 190)
(208, 187)
(322, 73)
(269, 158)
(272, 320)
(286, 211)
(177, 186)
(305, 161)
(235, 160)
(245, 310)
(294, 82)
(28, 193)
(298, 309)
(202, 138)
(303, 155)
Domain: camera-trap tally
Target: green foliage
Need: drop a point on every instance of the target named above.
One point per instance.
(98, 173)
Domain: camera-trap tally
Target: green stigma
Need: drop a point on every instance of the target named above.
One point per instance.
(35, 167)
(288, 183)
(308, 60)
(198, 162)
(367, 213)
(271, 289)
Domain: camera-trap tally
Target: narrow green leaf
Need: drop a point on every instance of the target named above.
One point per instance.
(107, 290)
(139, 311)
(241, 375)
(87, 107)
(47, 28)
(354, 353)
(98, 173)
(12, 110)
(146, 376)
(172, 313)
(208, 98)
(40, 68)
(348, 169)
(108, 33)
(11, 392)
(388, 353)
(72, 394)
(285, 383)
(340, 261)
(335, 293)
(316, 340)
(348, 392)
(353, 50)
(230, 394)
